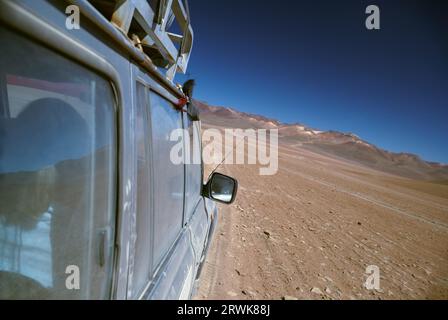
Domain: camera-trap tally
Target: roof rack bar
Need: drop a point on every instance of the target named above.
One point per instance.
(119, 38)
(159, 42)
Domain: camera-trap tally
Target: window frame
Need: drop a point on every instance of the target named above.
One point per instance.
(183, 223)
(33, 28)
(193, 125)
(149, 174)
(153, 87)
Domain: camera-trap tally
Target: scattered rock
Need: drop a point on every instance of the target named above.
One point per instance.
(244, 292)
(327, 290)
(231, 293)
(289, 298)
(359, 223)
(239, 208)
(266, 232)
(316, 290)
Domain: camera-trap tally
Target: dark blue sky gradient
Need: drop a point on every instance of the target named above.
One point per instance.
(314, 62)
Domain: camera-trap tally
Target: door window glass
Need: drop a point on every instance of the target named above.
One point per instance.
(57, 175)
(168, 177)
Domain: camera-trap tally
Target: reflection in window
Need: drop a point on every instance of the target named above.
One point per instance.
(57, 174)
(193, 170)
(28, 252)
(141, 273)
(168, 178)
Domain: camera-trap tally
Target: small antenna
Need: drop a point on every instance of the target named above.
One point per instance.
(224, 159)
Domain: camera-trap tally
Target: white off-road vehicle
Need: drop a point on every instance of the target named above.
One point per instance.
(91, 207)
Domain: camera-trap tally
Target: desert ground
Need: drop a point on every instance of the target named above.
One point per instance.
(310, 231)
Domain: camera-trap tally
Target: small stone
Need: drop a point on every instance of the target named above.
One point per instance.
(289, 298)
(231, 293)
(327, 290)
(316, 290)
(267, 233)
(359, 223)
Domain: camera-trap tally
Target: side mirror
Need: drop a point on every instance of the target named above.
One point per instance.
(221, 188)
(192, 109)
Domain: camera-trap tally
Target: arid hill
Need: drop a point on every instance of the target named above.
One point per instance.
(344, 145)
(337, 206)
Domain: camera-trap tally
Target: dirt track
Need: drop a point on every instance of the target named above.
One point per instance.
(311, 230)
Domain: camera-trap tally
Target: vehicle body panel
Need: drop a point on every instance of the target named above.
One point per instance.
(92, 46)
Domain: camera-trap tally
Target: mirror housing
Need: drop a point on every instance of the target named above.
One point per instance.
(192, 109)
(220, 188)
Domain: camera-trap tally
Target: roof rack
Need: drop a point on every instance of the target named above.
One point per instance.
(148, 23)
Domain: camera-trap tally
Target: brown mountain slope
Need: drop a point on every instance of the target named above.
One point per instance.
(343, 145)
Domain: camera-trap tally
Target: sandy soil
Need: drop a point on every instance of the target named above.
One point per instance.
(310, 231)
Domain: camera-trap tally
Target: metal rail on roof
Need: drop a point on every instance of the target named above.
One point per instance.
(147, 23)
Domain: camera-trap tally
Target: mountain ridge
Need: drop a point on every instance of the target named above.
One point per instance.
(341, 144)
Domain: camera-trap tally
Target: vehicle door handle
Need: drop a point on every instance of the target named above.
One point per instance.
(102, 247)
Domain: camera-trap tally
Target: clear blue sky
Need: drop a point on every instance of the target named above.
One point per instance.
(314, 62)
